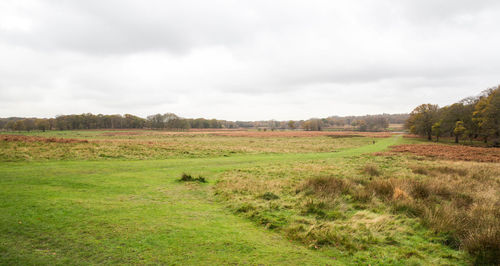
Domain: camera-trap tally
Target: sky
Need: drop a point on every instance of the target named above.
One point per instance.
(244, 60)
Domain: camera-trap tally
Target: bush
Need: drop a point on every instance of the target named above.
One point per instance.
(188, 178)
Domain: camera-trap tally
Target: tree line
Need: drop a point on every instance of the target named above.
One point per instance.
(90, 121)
(170, 121)
(473, 118)
(379, 122)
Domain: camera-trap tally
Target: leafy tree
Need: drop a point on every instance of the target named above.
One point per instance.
(361, 125)
(436, 130)
(376, 123)
(422, 119)
(10, 125)
(132, 121)
(19, 125)
(312, 125)
(459, 130)
(156, 121)
(487, 115)
(449, 116)
(29, 124)
(177, 123)
(62, 123)
(42, 124)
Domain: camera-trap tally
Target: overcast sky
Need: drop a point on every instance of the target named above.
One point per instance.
(244, 60)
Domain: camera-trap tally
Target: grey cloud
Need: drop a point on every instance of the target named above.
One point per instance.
(243, 59)
(110, 27)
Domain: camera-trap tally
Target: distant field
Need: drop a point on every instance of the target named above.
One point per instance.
(292, 197)
(144, 144)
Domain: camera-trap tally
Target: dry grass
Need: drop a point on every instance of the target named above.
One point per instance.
(462, 201)
(325, 186)
(247, 133)
(347, 134)
(371, 169)
(324, 204)
(89, 145)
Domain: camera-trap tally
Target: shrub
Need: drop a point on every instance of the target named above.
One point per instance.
(188, 178)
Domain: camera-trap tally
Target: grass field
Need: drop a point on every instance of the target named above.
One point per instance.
(141, 145)
(316, 199)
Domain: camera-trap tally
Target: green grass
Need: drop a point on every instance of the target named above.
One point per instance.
(134, 211)
(121, 212)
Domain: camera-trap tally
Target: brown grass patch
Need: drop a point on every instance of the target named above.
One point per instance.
(460, 200)
(124, 133)
(251, 133)
(263, 134)
(451, 152)
(21, 138)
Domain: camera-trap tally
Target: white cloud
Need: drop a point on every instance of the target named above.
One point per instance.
(243, 59)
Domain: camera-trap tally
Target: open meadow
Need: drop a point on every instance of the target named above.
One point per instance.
(275, 197)
(249, 132)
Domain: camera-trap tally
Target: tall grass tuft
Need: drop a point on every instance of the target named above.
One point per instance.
(326, 186)
(371, 170)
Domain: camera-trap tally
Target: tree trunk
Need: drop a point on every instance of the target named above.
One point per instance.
(429, 136)
(456, 139)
